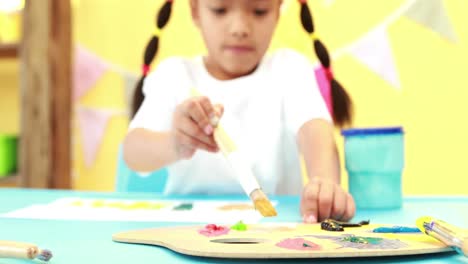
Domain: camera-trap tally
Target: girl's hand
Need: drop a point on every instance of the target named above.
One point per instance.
(322, 199)
(193, 124)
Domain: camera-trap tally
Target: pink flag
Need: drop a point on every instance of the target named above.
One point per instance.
(324, 87)
(93, 124)
(87, 70)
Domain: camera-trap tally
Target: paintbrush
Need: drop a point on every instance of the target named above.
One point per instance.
(19, 250)
(241, 168)
(445, 233)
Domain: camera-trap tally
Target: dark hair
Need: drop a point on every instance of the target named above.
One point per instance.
(150, 53)
(341, 101)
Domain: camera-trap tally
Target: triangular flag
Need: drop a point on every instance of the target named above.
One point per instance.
(324, 87)
(432, 14)
(93, 124)
(130, 81)
(375, 52)
(87, 70)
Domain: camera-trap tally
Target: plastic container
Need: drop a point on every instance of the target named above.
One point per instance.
(8, 154)
(374, 160)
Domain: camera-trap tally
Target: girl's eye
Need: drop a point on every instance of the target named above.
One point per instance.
(219, 11)
(260, 12)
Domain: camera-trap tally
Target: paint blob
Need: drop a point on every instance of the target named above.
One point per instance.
(213, 230)
(297, 244)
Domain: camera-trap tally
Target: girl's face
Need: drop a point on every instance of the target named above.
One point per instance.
(237, 33)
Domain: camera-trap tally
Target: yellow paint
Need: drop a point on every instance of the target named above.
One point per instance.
(431, 104)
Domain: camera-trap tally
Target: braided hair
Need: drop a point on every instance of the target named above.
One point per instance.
(341, 101)
(150, 53)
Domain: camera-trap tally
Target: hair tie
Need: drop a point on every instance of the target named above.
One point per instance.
(313, 36)
(145, 69)
(157, 32)
(329, 73)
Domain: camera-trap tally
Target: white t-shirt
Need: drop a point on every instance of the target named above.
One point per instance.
(262, 113)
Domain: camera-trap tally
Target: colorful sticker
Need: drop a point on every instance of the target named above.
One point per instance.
(297, 244)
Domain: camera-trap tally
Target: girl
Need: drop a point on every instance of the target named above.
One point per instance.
(270, 105)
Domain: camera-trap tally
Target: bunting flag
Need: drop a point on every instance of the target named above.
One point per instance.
(324, 87)
(130, 81)
(92, 124)
(87, 70)
(374, 51)
(433, 15)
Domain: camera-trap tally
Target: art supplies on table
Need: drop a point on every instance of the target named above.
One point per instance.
(448, 234)
(286, 240)
(20, 250)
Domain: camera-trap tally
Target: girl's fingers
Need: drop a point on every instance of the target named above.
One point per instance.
(190, 128)
(193, 109)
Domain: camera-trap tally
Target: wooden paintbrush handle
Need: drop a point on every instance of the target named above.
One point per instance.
(10, 249)
(225, 143)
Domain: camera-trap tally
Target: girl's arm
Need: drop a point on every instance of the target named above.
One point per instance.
(148, 151)
(317, 144)
(322, 197)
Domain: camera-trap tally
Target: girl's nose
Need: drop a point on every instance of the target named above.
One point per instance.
(240, 25)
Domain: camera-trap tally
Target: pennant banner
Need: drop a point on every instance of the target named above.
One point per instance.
(374, 51)
(93, 124)
(432, 14)
(324, 87)
(87, 70)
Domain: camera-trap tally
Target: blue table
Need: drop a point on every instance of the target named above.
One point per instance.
(90, 241)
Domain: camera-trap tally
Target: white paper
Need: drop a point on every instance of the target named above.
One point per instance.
(139, 211)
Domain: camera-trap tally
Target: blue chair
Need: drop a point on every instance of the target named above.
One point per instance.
(131, 181)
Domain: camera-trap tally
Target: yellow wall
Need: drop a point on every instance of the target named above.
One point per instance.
(430, 106)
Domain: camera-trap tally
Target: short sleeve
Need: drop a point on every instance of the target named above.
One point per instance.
(160, 90)
(302, 98)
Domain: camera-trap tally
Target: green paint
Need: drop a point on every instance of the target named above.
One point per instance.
(363, 240)
(306, 245)
(239, 226)
(184, 207)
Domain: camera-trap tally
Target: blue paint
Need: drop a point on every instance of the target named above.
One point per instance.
(396, 229)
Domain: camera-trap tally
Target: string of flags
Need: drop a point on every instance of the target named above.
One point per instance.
(373, 50)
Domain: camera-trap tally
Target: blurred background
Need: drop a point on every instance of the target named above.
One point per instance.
(403, 62)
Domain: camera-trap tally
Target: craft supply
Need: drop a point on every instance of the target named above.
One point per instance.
(241, 168)
(334, 225)
(239, 226)
(444, 232)
(12, 249)
(294, 241)
(396, 229)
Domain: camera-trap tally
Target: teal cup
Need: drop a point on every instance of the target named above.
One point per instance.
(374, 160)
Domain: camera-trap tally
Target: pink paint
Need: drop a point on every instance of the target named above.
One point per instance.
(212, 230)
(324, 85)
(297, 244)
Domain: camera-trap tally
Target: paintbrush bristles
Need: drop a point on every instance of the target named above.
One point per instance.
(262, 204)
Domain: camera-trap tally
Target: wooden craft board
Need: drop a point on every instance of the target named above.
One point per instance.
(260, 242)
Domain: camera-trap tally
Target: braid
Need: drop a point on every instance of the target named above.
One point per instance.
(150, 53)
(341, 101)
